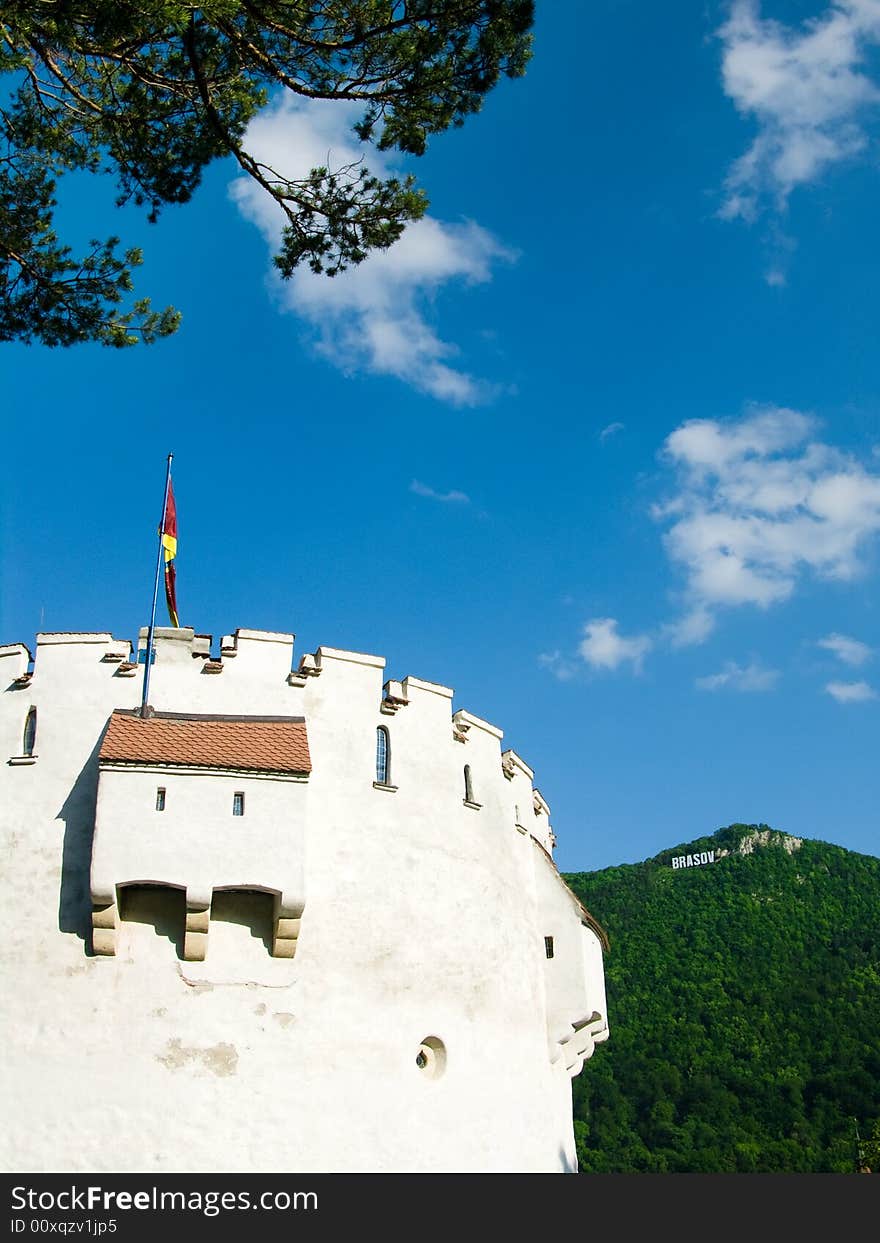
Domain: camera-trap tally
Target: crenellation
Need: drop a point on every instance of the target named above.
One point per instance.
(63, 656)
(465, 721)
(410, 684)
(325, 655)
(542, 829)
(263, 654)
(309, 667)
(394, 697)
(540, 804)
(367, 920)
(282, 638)
(531, 814)
(51, 638)
(175, 645)
(15, 663)
(513, 765)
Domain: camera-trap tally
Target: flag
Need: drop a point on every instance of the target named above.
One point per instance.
(169, 544)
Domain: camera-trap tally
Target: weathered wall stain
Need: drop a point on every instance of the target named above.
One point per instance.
(220, 1059)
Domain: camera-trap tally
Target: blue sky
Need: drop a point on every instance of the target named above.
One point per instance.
(597, 443)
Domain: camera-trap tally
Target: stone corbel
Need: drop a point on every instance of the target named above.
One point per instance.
(198, 915)
(288, 917)
(105, 923)
(394, 698)
(575, 1043)
(309, 667)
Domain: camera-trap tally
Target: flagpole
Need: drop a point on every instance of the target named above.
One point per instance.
(145, 707)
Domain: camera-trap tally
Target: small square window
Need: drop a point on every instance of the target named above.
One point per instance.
(160, 799)
(238, 803)
(548, 946)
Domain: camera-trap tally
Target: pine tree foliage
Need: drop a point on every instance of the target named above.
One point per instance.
(152, 91)
(744, 1004)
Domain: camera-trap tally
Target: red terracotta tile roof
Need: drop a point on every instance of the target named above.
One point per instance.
(269, 744)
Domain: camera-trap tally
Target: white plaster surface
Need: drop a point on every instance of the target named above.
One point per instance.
(422, 918)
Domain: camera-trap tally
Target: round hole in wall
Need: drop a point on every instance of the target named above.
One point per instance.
(431, 1057)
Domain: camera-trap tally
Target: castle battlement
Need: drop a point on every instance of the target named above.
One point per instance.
(296, 875)
(255, 674)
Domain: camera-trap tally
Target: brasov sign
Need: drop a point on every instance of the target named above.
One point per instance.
(693, 861)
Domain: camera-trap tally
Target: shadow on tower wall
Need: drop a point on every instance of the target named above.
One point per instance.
(78, 815)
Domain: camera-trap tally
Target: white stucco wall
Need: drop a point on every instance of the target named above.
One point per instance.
(196, 842)
(423, 917)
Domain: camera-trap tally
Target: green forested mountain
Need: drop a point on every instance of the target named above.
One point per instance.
(744, 1006)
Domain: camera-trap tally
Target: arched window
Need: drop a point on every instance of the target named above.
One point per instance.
(468, 785)
(383, 756)
(30, 732)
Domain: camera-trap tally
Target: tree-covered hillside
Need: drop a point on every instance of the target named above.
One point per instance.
(744, 1006)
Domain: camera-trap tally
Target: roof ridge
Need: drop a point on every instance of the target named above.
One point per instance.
(156, 715)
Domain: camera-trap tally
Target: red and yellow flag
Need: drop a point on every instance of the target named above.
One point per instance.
(169, 544)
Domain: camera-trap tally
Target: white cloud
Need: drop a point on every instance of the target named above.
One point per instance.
(759, 504)
(851, 692)
(558, 665)
(373, 317)
(735, 677)
(453, 497)
(850, 651)
(707, 445)
(611, 430)
(602, 647)
(808, 90)
(693, 628)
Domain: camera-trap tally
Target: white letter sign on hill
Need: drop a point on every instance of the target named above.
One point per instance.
(693, 861)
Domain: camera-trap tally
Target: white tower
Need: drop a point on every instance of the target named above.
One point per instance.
(293, 921)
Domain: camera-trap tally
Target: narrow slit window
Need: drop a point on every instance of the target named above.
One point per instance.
(383, 757)
(468, 785)
(160, 799)
(30, 732)
(548, 946)
(238, 803)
